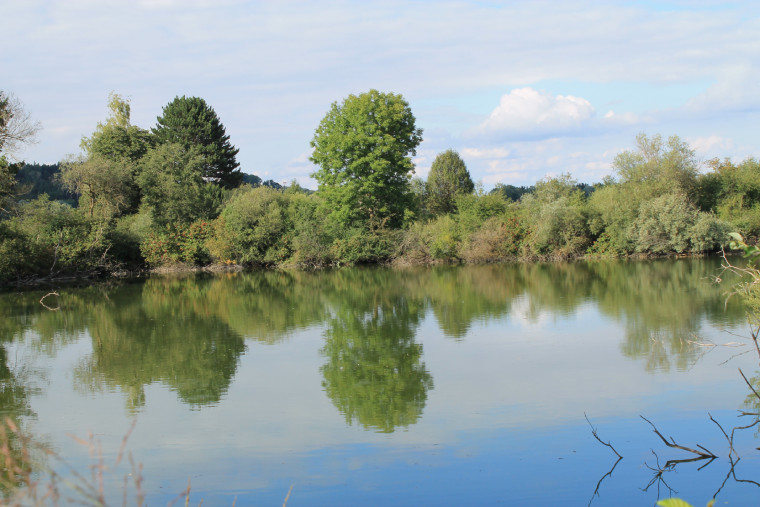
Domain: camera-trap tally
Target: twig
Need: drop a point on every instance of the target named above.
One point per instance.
(658, 476)
(750, 385)
(593, 432)
(46, 306)
(285, 503)
(598, 484)
(672, 443)
(730, 440)
(734, 357)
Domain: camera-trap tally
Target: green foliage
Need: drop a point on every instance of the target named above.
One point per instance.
(16, 129)
(47, 237)
(444, 238)
(363, 147)
(18, 255)
(103, 184)
(311, 241)
(361, 246)
(126, 235)
(7, 184)
(677, 502)
(374, 373)
(659, 167)
(670, 223)
(612, 210)
(664, 224)
(708, 233)
(173, 186)
(556, 217)
(737, 242)
(512, 192)
(251, 228)
(251, 179)
(734, 193)
(193, 124)
(448, 178)
(178, 243)
(435, 240)
(499, 238)
(37, 179)
(474, 209)
(117, 138)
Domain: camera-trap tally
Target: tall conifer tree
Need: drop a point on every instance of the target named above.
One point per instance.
(191, 122)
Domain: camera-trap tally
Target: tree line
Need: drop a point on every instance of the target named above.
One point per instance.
(175, 193)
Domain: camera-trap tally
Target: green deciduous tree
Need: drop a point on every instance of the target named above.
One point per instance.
(173, 187)
(104, 177)
(192, 123)
(670, 223)
(733, 191)
(659, 167)
(117, 138)
(104, 185)
(363, 147)
(448, 178)
(654, 169)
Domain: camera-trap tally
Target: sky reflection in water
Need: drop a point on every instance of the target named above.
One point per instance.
(448, 385)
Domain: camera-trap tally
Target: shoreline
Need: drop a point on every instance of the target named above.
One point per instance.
(99, 276)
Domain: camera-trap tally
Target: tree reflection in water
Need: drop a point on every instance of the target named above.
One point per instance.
(374, 373)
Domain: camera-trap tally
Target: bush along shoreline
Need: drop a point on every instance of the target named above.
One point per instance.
(173, 197)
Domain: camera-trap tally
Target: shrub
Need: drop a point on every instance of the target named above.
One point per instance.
(360, 246)
(497, 239)
(178, 243)
(664, 224)
(708, 233)
(310, 239)
(557, 228)
(252, 228)
(436, 240)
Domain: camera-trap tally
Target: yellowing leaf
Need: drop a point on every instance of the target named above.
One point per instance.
(673, 502)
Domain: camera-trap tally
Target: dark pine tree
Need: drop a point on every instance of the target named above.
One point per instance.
(190, 121)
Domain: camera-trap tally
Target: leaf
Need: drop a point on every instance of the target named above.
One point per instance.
(738, 237)
(673, 502)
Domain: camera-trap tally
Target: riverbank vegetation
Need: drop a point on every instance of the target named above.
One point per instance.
(136, 198)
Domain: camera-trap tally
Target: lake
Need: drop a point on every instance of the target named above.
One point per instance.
(375, 386)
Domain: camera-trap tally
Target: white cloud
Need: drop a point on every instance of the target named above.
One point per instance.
(621, 119)
(737, 89)
(271, 69)
(485, 152)
(526, 109)
(710, 144)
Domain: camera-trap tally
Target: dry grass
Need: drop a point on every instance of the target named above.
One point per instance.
(34, 475)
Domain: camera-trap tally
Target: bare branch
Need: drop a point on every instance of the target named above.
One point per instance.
(598, 484)
(730, 440)
(593, 432)
(748, 383)
(16, 125)
(672, 443)
(46, 306)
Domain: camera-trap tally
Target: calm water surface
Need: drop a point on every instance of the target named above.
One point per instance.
(442, 386)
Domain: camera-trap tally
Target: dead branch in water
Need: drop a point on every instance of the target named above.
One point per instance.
(672, 443)
(593, 432)
(748, 383)
(46, 306)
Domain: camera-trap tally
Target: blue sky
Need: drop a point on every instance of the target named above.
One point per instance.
(522, 90)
